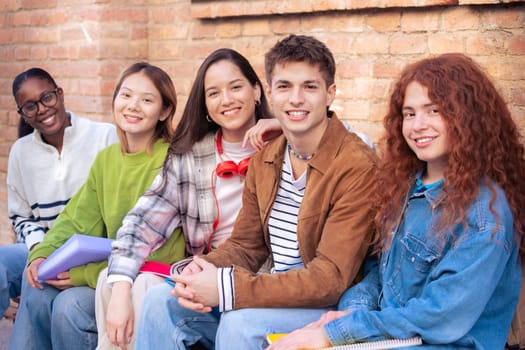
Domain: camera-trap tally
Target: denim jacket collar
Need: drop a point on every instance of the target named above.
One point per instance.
(433, 194)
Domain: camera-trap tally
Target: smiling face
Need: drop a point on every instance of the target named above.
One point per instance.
(137, 108)
(230, 99)
(50, 121)
(299, 97)
(424, 130)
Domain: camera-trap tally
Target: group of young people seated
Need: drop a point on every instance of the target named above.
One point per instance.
(290, 221)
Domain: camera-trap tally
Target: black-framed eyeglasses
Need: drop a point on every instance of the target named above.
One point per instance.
(48, 99)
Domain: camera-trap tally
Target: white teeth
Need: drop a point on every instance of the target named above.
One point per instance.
(229, 112)
(48, 119)
(424, 139)
(297, 113)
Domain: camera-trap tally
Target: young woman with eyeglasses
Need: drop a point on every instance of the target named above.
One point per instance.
(45, 168)
(62, 310)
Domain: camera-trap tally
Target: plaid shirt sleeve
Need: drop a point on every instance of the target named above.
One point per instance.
(146, 227)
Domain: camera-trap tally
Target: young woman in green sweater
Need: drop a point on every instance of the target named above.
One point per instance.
(62, 311)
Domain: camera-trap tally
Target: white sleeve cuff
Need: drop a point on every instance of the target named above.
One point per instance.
(226, 288)
(117, 278)
(35, 237)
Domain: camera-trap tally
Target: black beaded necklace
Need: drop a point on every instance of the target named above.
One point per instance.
(297, 155)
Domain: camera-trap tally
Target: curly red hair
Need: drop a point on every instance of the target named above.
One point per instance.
(484, 144)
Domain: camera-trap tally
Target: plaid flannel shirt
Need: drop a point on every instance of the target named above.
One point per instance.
(186, 200)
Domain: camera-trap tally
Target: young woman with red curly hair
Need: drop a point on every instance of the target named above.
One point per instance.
(451, 215)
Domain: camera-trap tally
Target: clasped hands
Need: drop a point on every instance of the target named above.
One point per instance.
(62, 282)
(197, 286)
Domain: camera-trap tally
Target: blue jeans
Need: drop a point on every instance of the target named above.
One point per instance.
(22, 334)
(13, 258)
(164, 324)
(63, 319)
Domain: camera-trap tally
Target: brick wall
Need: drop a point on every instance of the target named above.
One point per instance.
(86, 43)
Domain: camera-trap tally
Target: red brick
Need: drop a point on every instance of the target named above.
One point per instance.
(164, 50)
(139, 33)
(11, 35)
(90, 14)
(204, 30)
(164, 14)
(501, 17)
(88, 51)
(324, 5)
(22, 53)
(88, 87)
(199, 10)
(439, 43)
(371, 43)
(354, 109)
(408, 44)
(21, 18)
(57, 17)
(517, 95)
(8, 71)
(414, 21)
(285, 26)
(110, 70)
(169, 32)
(229, 29)
(384, 21)
(3, 164)
(460, 18)
(12, 116)
(378, 110)
(224, 9)
(58, 51)
(39, 53)
(353, 67)
(297, 6)
(41, 4)
(256, 27)
(338, 23)
(503, 68)
(10, 5)
(126, 14)
(107, 87)
(477, 2)
(517, 45)
(487, 44)
(388, 68)
(41, 35)
(138, 50)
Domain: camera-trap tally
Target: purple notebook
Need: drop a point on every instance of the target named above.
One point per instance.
(78, 250)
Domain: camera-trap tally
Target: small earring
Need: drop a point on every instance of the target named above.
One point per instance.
(209, 119)
(257, 102)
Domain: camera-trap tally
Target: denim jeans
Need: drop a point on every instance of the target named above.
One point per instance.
(13, 259)
(164, 324)
(63, 319)
(22, 335)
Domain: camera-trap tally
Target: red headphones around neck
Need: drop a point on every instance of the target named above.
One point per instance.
(228, 168)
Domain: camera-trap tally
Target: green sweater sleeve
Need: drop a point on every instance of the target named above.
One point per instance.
(82, 214)
(87, 274)
(114, 184)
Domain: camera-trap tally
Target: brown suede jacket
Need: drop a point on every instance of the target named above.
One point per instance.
(334, 228)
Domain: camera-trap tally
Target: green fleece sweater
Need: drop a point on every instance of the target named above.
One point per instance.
(114, 184)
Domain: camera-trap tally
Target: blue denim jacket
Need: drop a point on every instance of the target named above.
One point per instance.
(460, 295)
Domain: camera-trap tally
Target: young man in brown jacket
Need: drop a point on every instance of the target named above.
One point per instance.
(306, 206)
